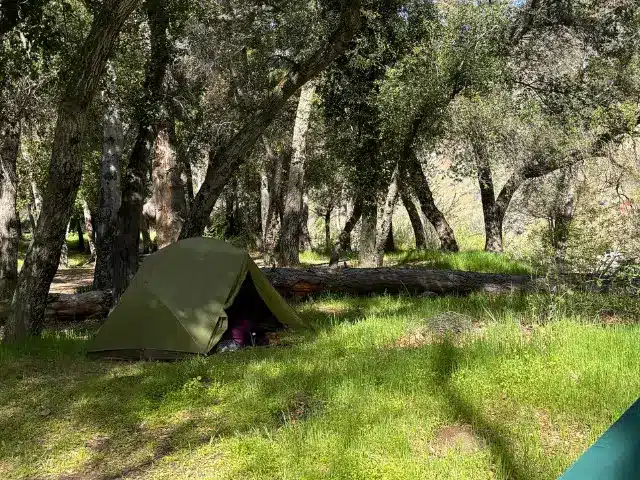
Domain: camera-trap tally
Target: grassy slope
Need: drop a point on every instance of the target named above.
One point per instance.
(344, 402)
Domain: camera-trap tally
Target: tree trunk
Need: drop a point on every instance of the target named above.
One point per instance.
(125, 257)
(147, 244)
(64, 252)
(272, 222)
(390, 244)
(422, 191)
(367, 253)
(224, 161)
(327, 229)
(305, 238)
(231, 212)
(292, 219)
(168, 191)
(37, 202)
(9, 233)
(88, 227)
(386, 217)
(187, 180)
(264, 201)
(344, 239)
(414, 218)
(109, 188)
(65, 171)
(80, 233)
(491, 213)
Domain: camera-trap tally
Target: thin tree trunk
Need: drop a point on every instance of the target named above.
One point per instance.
(224, 161)
(125, 258)
(80, 233)
(264, 201)
(64, 252)
(168, 190)
(37, 201)
(110, 187)
(428, 206)
(88, 227)
(187, 181)
(305, 238)
(414, 218)
(367, 253)
(292, 219)
(386, 217)
(491, 213)
(65, 171)
(344, 239)
(390, 244)
(9, 222)
(272, 221)
(327, 229)
(32, 220)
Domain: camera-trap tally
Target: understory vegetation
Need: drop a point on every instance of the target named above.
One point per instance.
(369, 394)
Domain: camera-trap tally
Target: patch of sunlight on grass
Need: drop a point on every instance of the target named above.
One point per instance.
(344, 401)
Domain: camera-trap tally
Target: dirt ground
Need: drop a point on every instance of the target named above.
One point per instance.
(69, 280)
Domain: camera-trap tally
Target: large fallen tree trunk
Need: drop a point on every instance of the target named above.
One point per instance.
(414, 281)
(293, 282)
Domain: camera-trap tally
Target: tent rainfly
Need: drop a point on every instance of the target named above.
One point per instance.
(177, 303)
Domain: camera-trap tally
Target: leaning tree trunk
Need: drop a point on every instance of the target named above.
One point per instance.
(367, 253)
(344, 239)
(9, 232)
(492, 216)
(292, 218)
(168, 191)
(109, 188)
(414, 218)
(65, 171)
(386, 217)
(134, 187)
(224, 161)
(88, 227)
(422, 191)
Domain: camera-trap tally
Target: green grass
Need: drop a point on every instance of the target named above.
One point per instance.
(472, 261)
(348, 401)
(76, 258)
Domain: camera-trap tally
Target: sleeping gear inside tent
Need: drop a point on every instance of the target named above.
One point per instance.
(182, 299)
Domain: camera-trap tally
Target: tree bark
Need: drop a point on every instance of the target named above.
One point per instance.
(109, 188)
(305, 237)
(493, 217)
(292, 218)
(168, 191)
(134, 187)
(225, 160)
(271, 231)
(80, 234)
(9, 222)
(264, 201)
(65, 171)
(366, 281)
(327, 229)
(344, 239)
(88, 227)
(390, 243)
(414, 218)
(367, 253)
(386, 217)
(428, 206)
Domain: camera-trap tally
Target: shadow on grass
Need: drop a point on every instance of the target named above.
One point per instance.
(446, 360)
(55, 397)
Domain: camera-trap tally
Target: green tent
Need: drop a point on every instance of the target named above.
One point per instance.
(177, 303)
(615, 455)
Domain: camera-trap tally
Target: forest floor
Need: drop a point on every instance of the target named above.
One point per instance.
(371, 393)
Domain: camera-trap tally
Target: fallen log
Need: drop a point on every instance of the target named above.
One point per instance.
(296, 283)
(293, 282)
